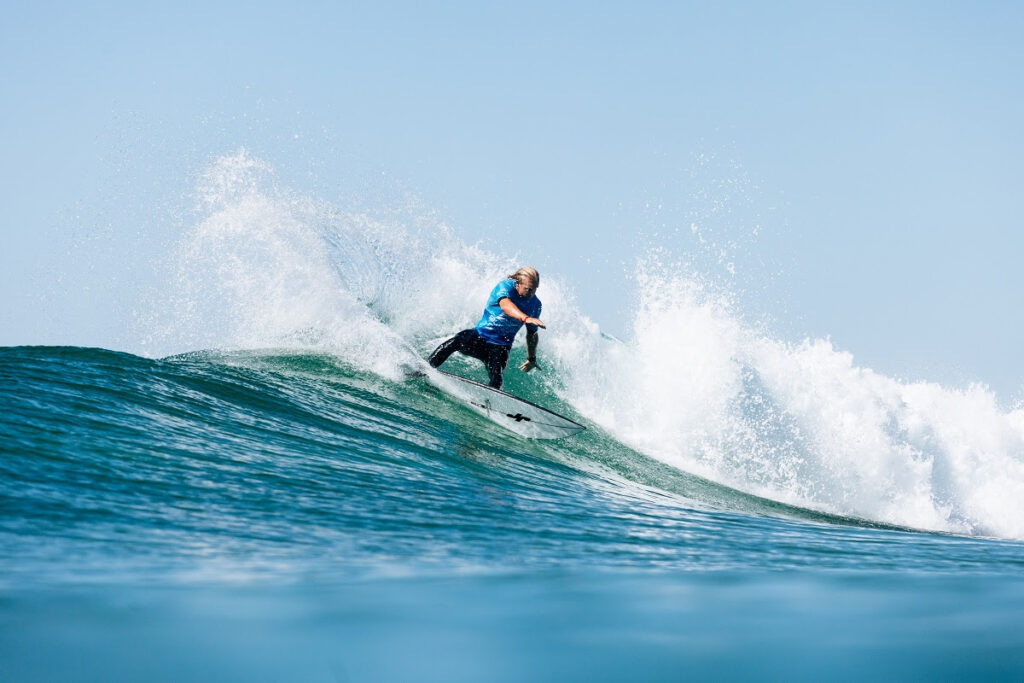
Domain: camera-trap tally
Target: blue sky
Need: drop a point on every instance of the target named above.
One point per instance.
(875, 148)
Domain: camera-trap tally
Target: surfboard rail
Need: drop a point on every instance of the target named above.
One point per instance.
(507, 410)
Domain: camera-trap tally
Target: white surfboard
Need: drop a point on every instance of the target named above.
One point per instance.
(511, 412)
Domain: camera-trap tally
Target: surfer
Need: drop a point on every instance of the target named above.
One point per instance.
(512, 304)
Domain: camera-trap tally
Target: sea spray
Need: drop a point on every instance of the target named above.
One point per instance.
(911, 452)
(693, 385)
(799, 423)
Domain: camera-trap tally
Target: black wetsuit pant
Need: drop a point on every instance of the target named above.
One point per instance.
(470, 342)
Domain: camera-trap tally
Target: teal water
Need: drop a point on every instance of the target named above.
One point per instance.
(284, 516)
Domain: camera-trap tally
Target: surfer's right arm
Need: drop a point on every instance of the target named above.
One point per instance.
(512, 311)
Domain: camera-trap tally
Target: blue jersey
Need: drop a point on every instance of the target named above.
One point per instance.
(497, 328)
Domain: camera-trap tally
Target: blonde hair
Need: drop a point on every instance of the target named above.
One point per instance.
(526, 272)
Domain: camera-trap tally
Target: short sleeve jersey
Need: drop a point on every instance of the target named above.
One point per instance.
(497, 328)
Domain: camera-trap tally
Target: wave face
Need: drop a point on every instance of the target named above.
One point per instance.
(257, 464)
(693, 387)
(285, 515)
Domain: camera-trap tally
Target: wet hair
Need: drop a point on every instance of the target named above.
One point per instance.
(526, 273)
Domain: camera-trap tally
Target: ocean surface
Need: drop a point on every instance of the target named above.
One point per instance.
(280, 516)
(257, 491)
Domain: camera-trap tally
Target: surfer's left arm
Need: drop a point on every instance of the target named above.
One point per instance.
(514, 312)
(531, 352)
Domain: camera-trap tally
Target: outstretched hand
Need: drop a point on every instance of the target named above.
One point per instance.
(530, 365)
(535, 321)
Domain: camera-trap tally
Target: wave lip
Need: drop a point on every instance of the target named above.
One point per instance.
(799, 424)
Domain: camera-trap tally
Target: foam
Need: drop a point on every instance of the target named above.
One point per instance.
(264, 267)
(801, 423)
(693, 386)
